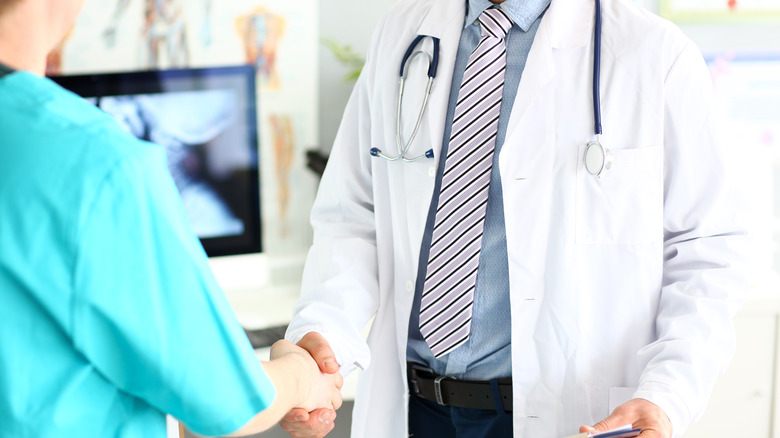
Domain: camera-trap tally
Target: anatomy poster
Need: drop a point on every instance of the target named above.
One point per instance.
(278, 38)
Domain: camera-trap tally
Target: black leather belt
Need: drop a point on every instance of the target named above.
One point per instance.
(448, 391)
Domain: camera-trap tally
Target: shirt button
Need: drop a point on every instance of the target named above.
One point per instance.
(409, 286)
(432, 171)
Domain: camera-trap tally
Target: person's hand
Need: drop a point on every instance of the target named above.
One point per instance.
(639, 413)
(300, 423)
(320, 351)
(317, 389)
(298, 382)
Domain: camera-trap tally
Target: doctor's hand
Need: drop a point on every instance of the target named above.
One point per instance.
(641, 414)
(300, 423)
(315, 389)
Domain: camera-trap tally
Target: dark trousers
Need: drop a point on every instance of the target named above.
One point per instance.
(428, 419)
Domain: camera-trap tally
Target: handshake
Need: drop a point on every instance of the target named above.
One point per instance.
(309, 373)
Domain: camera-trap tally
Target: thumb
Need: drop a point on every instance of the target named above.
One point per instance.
(616, 419)
(320, 351)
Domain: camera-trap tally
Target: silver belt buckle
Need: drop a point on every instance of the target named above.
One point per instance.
(414, 369)
(437, 389)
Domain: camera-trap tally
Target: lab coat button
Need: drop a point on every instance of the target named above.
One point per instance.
(432, 171)
(409, 286)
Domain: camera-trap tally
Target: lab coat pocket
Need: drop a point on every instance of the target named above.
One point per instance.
(625, 204)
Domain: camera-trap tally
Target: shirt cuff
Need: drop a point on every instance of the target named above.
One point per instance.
(673, 405)
(344, 357)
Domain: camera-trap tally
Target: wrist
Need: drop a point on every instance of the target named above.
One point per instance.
(283, 373)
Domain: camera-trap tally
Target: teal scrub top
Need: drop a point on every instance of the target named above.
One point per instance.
(109, 314)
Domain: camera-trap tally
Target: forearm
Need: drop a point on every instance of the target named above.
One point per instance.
(284, 373)
(704, 271)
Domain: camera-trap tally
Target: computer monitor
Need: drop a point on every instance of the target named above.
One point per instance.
(206, 119)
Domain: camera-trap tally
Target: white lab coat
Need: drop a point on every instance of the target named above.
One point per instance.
(621, 287)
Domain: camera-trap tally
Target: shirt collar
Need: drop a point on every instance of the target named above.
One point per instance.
(522, 12)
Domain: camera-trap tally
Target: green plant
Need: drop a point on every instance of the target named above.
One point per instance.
(347, 57)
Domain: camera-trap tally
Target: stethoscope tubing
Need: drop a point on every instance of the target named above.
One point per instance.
(404, 148)
(597, 71)
(433, 65)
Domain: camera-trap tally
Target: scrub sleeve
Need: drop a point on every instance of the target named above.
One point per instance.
(148, 313)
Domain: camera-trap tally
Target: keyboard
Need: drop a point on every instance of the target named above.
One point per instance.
(265, 337)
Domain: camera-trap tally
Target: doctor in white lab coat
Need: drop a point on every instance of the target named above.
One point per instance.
(622, 287)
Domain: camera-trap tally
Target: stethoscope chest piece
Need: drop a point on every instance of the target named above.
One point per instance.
(598, 159)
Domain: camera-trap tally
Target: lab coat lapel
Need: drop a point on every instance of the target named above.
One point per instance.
(444, 21)
(565, 25)
(570, 23)
(539, 71)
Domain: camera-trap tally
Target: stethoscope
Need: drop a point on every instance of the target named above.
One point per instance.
(598, 159)
(433, 64)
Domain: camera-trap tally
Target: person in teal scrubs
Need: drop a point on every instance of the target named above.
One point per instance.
(109, 315)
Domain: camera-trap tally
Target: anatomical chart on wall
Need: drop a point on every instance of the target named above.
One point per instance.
(278, 38)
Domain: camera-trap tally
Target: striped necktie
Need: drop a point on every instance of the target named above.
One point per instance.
(448, 292)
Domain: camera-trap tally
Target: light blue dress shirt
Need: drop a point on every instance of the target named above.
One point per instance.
(487, 353)
(109, 314)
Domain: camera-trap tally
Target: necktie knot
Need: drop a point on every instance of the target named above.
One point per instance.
(495, 23)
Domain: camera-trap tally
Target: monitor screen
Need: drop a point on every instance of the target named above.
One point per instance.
(206, 119)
